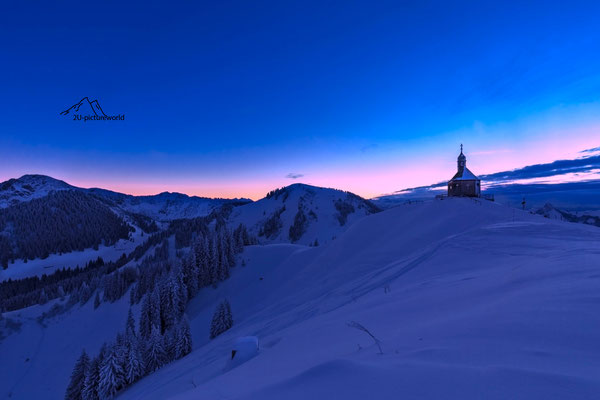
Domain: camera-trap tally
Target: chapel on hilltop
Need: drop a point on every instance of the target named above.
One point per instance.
(464, 183)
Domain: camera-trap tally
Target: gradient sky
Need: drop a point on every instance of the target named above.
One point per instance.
(230, 99)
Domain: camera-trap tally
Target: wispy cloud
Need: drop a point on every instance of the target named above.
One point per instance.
(591, 151)
(293, 175)
(559, 167)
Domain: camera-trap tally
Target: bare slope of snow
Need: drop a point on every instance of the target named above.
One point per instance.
(470, 300)
(302, 214)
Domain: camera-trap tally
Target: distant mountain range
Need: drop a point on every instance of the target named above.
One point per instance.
(162, 207)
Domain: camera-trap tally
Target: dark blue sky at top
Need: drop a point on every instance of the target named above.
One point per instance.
(254, 83)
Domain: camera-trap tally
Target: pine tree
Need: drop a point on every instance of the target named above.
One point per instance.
(155, 352)
(76, 385)
(167, 303)
(213, 261)
(132, 295)
(111, 375)
(61, 292)
(202, 259)
(92, 380)
(145, 318)
(154, 310)
(190, 274)
(228, 314)
(182, 292)
(97, 300)
(222, 319)
(130, 325)
(43, 299)
(134, 366)
(184, 338)
(170, 343)
(84, 293)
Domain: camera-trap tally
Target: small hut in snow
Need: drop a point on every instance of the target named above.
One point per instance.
(244, 348)
(464, 183)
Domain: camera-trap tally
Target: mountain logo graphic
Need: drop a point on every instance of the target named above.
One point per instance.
(90, 110)
(84, 106)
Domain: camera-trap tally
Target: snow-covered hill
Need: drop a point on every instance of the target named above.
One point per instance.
(28, 187)
(302, 214)
(470, 300)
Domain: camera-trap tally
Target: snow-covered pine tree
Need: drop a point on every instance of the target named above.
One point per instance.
(216, 327)
(223, 266)
(190, 273)
(132, 295)
(43, 299)
(182, 292)
(202, 258)
(120, 349)
(134, 365)
(84, 293)
(213, 261)
(112, 376)
(130, 325)
(97, 300)
(184, 338)
(238, 239)
(145, 321)
(76, 384)
(169, 343)
(231, 249)
(228, 314)
(168, 300)
(154, 310)
(155, 352)
(222, 319)
(92, 380)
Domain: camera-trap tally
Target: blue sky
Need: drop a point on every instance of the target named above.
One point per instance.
(229, 98)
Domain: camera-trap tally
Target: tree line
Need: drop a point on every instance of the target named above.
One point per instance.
(63, 221)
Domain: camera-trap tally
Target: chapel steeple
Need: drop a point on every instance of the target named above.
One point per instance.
(461, 161)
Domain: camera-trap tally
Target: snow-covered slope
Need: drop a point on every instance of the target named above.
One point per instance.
(302, 214)
(29, 187)
(470, 300)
